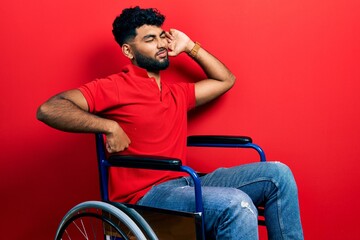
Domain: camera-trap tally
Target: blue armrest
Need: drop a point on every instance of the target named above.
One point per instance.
(217, 139)
(225, 141)
(147, 162)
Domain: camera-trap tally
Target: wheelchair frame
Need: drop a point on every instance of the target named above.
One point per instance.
(125, 212)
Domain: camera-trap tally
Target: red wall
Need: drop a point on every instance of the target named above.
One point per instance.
(297, 65)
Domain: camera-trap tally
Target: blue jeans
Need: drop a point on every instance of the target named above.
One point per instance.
(230, 197)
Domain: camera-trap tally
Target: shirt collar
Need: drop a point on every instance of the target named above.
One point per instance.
(133, 69)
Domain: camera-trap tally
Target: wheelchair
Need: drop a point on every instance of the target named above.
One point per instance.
(114, 221)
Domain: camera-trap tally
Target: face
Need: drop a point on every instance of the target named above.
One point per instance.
(149, 48)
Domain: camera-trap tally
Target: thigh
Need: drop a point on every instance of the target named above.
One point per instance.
(256, 179)
(227, 211)
(179, 195)
(174, 195)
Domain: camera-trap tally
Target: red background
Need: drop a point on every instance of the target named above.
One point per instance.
(297, 95)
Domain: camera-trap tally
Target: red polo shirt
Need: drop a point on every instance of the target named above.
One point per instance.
(154, 120)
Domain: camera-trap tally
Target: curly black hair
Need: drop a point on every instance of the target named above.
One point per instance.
(125, 25)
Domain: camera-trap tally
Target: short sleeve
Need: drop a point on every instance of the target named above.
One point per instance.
(189, 94)
(101, 94)
(192, 99)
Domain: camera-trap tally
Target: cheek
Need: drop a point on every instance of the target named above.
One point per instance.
(148, 49)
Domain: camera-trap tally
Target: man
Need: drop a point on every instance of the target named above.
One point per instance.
(140, 113)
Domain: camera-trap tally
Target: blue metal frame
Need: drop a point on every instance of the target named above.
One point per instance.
(103, 167)
(254, 146)
(198, 196)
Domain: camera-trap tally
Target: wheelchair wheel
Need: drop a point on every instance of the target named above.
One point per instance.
(100, 220)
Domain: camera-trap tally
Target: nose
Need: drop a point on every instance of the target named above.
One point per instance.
(162, 43)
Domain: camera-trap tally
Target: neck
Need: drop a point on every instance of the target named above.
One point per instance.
(155, 75)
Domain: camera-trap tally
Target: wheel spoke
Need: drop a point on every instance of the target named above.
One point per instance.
(83, 233)
(97, 220)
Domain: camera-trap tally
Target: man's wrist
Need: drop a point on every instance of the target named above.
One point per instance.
(189, 46)
(110, 126)
(194, 49)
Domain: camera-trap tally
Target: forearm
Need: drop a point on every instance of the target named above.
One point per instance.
(62, 114)
(219, 77)
(213, 67)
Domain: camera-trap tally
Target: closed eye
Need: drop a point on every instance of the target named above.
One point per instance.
(149, 39)
(152, 37)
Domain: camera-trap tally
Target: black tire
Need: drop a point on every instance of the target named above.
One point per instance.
(100, 220)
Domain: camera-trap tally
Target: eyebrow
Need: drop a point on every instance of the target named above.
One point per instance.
(153, 35)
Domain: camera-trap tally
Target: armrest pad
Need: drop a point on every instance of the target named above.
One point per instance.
(217, 139)
(146, 162)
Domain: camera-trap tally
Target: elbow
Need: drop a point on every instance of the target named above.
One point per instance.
(46, 110)
(41, 113)
(231, 80)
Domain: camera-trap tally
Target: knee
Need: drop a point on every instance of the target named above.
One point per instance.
(283, 176)
(240, 200)
(230, 212)
(228, 202)
(240, 207)
(240, 213)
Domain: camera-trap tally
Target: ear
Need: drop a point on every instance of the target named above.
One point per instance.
(126, 49)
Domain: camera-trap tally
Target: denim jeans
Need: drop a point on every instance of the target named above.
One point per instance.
(230, 197)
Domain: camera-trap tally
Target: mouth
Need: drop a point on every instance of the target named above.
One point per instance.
(162, 53)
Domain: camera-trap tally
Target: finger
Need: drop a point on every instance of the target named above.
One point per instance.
(172, 30)
(172, 54)
(169, 36)
(108, 148)
(169, 40)
(170, 47)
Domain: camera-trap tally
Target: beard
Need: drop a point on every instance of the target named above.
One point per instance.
(151, 64)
